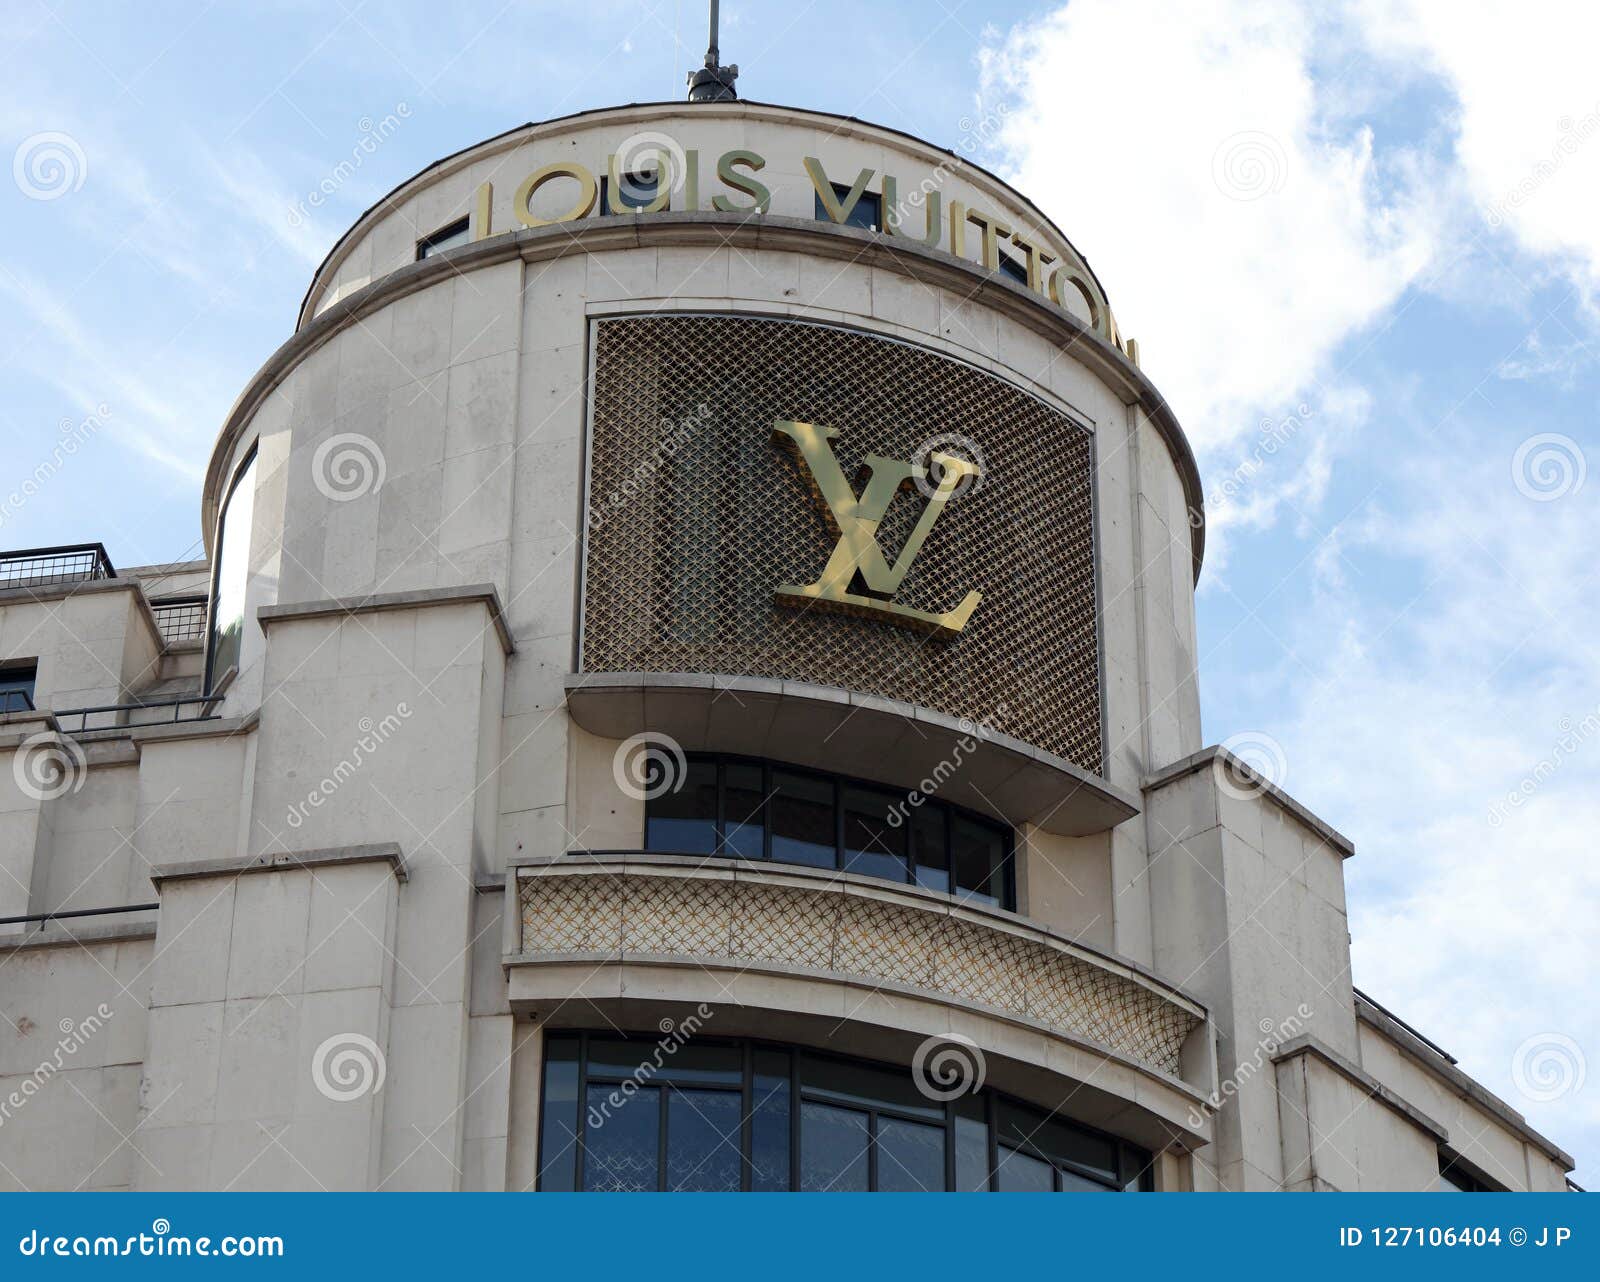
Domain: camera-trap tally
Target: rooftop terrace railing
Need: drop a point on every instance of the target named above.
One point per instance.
(181, 618)
(45, 567)
(155, 712)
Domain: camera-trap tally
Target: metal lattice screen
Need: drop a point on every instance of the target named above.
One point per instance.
(695, 516)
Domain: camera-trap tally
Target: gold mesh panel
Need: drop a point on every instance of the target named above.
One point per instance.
(747, 922)
(696, 516)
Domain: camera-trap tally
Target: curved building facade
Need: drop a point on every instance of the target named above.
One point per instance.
(692, 687)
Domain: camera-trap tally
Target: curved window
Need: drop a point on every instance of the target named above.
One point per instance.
(690, 1115)
(232, 574)
(743, 808)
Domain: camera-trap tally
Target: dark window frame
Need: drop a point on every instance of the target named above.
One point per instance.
(869, 200)
(1457, 1176)
(1135, 1165)
(1004, 898)
(637, 181)
(433, 241)
(19, 677)
(239, 474)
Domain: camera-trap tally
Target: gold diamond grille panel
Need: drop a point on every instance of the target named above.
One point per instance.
(745, 922)
(696, 517)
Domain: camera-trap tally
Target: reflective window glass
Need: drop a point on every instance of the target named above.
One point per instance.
(622, 1140)
(1023, 1173)
(558, 1136)
(744, 802)
(684, 820)
(931, 847)
(910, 1156)
(873, 843)
(769, 1122)
(801, 813)
(833, 1149)
(977, 852)
(703, 1141)
(232, 575)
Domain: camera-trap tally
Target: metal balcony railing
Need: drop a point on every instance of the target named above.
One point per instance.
(16, 701)
(117, 716)
(181, 618)
(44, 567)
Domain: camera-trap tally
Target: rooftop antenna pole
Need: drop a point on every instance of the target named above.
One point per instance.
(713, 82)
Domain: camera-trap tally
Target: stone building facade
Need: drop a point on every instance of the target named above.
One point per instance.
(693, 686)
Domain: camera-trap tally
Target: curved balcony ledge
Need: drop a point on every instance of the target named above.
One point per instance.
(607, 930)
(892, 743)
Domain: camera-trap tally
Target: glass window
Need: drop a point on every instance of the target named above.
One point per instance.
(931, 846)
(232, 575)
(703, 1142)
(979, 857)
(684, 821)
(622, 1139)
(854, 1081)
(457, 233)
(17, 686)
(867, 213)
(1058, 1140)
(769, 1122)
(972, 1144)
(873, 843)
(910, 1156)
(688, 1063)
(744, 802)
(802, 819)
(743, 808)
(833, 1149)
(635, 191)
(558, 1136)
(1020, 1172)
(718, 1115)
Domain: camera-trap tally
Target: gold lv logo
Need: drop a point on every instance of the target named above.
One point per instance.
(855, 520)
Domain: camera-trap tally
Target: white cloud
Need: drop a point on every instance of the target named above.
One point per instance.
(1528, 112)
(1471, 915)
(1387, 151)
(1242, 226)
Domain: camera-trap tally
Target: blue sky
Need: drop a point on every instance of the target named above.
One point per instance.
(1357, 245)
